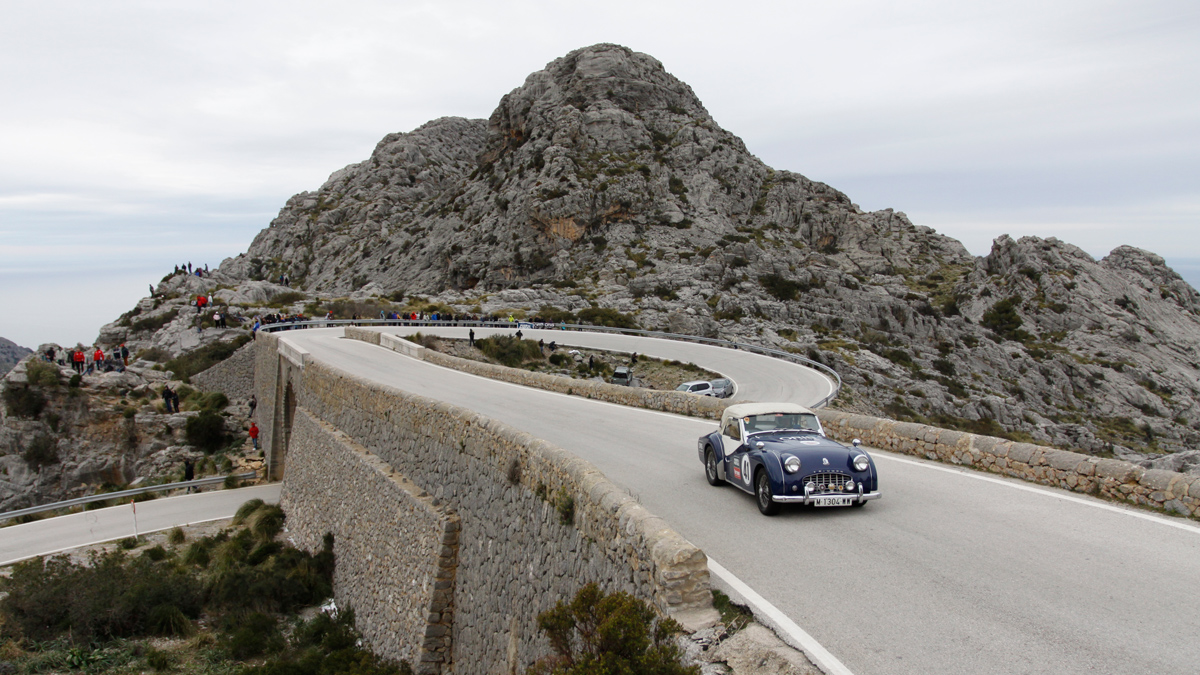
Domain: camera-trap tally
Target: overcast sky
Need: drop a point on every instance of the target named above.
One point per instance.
(137, 135)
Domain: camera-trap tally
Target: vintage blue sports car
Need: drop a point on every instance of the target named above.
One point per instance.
(778, 452)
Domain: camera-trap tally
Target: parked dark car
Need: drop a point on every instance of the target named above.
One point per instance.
(778, 452)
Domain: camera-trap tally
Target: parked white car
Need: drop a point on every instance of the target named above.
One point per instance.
(702, 387)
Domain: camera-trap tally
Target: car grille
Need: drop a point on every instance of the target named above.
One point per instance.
(828, 482)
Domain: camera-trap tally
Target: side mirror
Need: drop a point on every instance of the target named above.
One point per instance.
(759, 445)
(856, 442)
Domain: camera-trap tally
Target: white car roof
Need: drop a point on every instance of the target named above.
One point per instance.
(747, 409)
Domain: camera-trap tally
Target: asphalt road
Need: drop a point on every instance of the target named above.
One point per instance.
(758, 378)
(951, 571)
(53, 535)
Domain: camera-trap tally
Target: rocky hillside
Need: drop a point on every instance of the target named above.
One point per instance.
(603, 181)
(601, 190)
(10, 354)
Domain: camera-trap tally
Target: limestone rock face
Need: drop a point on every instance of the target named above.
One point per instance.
(603, 181)
(10, 354)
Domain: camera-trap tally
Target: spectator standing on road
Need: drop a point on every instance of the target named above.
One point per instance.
(189, 473)
(471, 338)
(254, 434)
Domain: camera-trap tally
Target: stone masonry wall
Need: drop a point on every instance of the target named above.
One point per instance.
(1174, 492)
(1115, 479)
(234, 376)
(397, 551)
(666, 401)
(537, 522)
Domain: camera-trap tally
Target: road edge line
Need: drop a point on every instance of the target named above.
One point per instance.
(772, 617)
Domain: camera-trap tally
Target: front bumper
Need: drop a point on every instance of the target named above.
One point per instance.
(808, 499)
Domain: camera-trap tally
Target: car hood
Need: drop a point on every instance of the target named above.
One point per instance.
(810, 448)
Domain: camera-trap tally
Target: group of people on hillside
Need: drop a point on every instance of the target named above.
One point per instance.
(187, 269)
(86, 361)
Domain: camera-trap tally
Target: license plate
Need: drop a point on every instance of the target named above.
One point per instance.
(833, 501)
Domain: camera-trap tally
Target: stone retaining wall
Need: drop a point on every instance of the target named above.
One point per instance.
(1174, 492)
(233, 377)
(1177, 493)
(666, 401)
(397, 552)
(537, 522)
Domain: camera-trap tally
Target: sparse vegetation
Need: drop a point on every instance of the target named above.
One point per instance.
(614, 634)
(199, 360)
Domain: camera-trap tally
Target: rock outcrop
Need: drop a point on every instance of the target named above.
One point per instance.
(602, 190)
(10, 354)
(604, 181)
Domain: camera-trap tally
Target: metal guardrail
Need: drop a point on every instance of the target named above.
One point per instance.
(754, 349)
(78, 501)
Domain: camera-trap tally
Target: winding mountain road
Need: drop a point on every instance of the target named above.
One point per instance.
(953, 571)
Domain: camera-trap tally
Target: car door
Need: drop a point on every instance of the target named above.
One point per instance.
(702, 388)
(737, 462)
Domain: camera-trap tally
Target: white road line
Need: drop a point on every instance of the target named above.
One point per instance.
(1047, 491)
(770, 615)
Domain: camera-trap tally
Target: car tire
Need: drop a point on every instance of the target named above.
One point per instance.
(762, 494)
(710, 468)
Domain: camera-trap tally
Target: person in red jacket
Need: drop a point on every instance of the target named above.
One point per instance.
(98, 358)
(254, 434)
(77, 360)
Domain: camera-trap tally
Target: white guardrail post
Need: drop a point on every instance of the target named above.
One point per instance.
(297, 355)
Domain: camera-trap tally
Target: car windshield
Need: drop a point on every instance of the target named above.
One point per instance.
(781, 421)
(683, 387)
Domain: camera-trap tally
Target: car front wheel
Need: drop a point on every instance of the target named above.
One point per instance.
(762, 494)
(710, 468)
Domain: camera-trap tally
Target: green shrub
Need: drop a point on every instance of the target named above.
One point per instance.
(22, 401)
(112, 597)
(158, 659)
(199, 360)
(267, 523)
(152, 323)
(509, 350)
(252, 635)
(176, 536)
(1003, 320)
(42, 451)
(615, 634)
(286, 298)
(76, 381)
(781, 288)
(553, 314)
(560, 359)
(206, 431)
(41, 373)
(247, 509)
(606, 316)
(426, 341)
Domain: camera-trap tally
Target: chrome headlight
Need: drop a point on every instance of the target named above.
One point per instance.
(791, 464)
(849, 486)
(861, 462)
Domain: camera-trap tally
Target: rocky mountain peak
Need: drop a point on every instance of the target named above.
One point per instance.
(603, 183)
